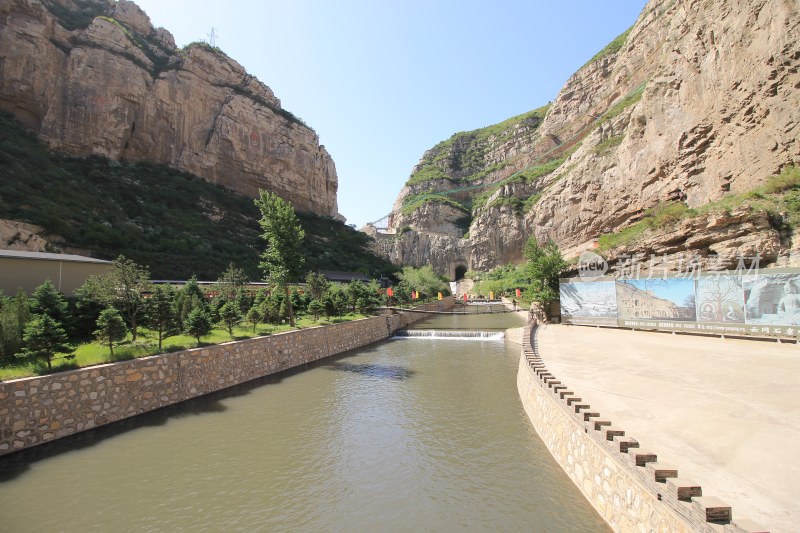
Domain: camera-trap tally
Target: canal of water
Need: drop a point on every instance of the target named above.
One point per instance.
(411, 434)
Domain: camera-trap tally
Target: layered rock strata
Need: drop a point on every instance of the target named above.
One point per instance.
(94, 77)
(698, 101)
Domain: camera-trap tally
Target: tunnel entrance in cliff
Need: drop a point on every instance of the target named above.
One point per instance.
(459, 274)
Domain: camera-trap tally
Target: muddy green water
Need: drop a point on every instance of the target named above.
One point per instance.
(405, 435)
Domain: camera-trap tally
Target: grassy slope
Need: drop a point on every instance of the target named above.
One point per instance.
(779, 197)
(175, 222)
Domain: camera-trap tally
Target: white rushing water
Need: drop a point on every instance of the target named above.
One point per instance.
(451, 334)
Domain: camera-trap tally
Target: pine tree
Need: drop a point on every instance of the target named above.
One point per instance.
(230, 315)
(44, 337)
(198, 323)
(254, 317)
(110, 328)
(160, 313)
(46, 300)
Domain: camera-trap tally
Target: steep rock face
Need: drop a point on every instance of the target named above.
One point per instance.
(435, 218)
(444, 253)
(95, 77)
(699, 101)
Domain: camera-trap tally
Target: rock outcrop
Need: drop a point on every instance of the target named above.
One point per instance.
(93, 77)
(697, 101)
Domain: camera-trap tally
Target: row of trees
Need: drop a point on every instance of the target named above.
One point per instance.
(108, 308)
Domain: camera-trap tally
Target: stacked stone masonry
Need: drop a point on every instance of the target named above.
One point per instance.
(41, 409)
(627, 485)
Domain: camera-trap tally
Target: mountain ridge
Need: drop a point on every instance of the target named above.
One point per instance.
(94, 77)
(695, 102)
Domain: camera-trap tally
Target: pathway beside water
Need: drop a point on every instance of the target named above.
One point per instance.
(404, 435)
(723, 411)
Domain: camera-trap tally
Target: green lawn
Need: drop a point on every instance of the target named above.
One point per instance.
(93, 353)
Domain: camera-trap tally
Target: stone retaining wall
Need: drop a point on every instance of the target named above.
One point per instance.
(627, 486)
(40, 409)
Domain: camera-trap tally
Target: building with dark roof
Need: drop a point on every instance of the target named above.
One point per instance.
(28, 270)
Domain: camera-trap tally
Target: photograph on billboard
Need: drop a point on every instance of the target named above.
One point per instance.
(670, 299)
(772, 299)
(720, 299)
(589, 302)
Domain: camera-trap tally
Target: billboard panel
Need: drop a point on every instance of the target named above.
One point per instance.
(722, 303)
(589, 302)
(657, 298)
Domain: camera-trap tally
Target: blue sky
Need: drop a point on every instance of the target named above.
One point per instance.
(381, 82)
(676, 290)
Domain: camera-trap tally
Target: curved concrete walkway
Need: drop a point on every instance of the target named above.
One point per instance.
(725, 412)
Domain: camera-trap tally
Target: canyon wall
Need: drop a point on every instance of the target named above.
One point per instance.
(94, 77)
(696, 103)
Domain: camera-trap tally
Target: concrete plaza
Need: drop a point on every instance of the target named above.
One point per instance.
(725, 412)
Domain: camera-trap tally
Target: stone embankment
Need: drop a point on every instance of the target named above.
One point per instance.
(41, 409)
(627, 485)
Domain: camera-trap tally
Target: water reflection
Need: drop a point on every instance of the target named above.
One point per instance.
(401, 436)
(373, 370)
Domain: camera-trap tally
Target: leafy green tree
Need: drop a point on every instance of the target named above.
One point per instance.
(15, 313)
(122, 287)
(46, 300)
(198, 323)
(253, 316)
(544, 266)
(356, 290)
(299, 301)
(316, 285)
(22, 308)
(281, 230)
(270, 309)
(44, 337)
(230, 316)
(316, 308)
(370, 298)
(423, 280)
(110, 328)
(336, 300)
(10, 338)
(231, 282)
(188, 298)
(160, 313)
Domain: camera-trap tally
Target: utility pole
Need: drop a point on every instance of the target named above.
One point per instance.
(212, 38)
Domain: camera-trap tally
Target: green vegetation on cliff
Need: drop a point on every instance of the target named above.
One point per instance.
(173, 221)
(779, 197)
(462, 157)
(611, 48)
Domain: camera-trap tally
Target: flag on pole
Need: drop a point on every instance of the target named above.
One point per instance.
(414, 295)
(440, 295)
(491, 295)
(389, 292)
(519, 293)
(465, 297)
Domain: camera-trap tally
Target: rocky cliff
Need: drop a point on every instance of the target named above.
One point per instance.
(93, 77)
(695, 105)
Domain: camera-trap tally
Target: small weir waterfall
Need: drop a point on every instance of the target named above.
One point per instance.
(424, 432)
